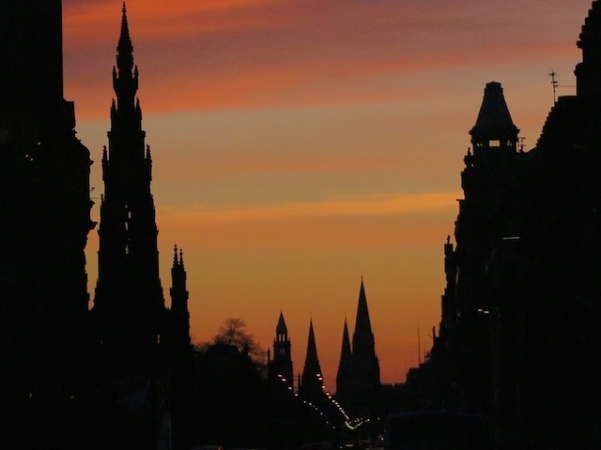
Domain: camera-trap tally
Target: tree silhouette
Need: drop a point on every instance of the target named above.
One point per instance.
(232, 331)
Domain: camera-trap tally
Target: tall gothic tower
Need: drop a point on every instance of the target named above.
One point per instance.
(129, 303)
(44, 222)
(281, 365)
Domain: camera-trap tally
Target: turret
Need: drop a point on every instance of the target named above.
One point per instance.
(494, 127)
(280, 368)
(179, 302)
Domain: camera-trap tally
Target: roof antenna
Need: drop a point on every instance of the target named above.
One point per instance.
(554, 83)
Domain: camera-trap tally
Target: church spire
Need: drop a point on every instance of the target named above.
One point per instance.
(125, 75)
(344, 367)
(312, 381)
(362, 323)
(312, 361)
(281, 328)
(366, 368)
(345, 353)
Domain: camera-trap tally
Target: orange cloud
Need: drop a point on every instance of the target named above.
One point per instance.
(378, 221)
(373, 205)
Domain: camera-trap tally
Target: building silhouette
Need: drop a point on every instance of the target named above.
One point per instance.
(358, 377)
(132, 320)
(311, 384)
(280, 369)
(69, 371)
(178, 328)
(44, 222)
(519, 335)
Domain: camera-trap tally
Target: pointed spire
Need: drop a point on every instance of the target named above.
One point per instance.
(124, 45)
(362, 322)
(344, 374)
(175, 255)
(181, 257)
(125, 78)
(312, 368)
(311, 345)
(281, 327)
(346, 352)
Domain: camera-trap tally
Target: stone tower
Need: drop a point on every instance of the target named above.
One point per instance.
(129, 306)
(487, 229)
(280, 366)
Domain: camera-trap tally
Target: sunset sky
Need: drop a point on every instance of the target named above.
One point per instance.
(299, 145)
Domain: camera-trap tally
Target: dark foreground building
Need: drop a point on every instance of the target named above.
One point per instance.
(74, 377)
(519, 337)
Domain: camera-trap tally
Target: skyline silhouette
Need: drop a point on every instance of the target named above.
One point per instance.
(373, 193)
(115, 367)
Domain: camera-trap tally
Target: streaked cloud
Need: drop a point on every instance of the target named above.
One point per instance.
(199, 54)
(375, 205)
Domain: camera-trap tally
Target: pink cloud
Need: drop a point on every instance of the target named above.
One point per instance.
(198, 54)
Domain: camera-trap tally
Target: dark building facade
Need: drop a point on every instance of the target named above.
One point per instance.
(358, 377)
(44, 222)
(71, 374)
(519, 334)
